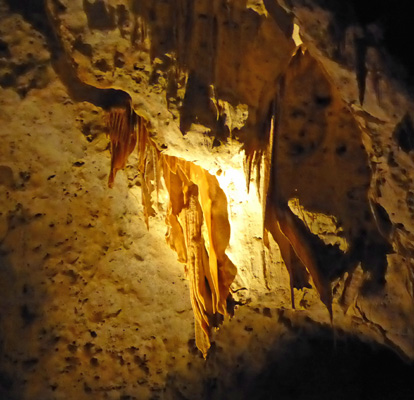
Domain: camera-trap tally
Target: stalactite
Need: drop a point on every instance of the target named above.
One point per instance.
(195, 199)
(252, 162)
(278, 220)
(148, 166)
(197, 268)
(123, 135)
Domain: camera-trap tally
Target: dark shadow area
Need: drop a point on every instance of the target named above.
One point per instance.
(392, 19)
(311, 367)
(396, 23)
(197, 107)
(17, 312)
(303, 363)
(361, 69)
(99, 15)
(282, 18)
(404, 134)
(7, 380)
(34, 12)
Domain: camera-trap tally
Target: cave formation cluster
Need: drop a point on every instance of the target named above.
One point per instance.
(243, 165)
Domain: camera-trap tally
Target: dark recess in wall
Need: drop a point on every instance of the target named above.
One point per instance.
(394, 19)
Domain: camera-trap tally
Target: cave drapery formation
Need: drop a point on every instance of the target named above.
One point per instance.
(195, 199)
(271, 143)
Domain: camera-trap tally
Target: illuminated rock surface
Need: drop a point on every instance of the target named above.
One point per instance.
(276, 183)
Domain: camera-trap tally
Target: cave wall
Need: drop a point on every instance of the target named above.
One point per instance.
(90, 293)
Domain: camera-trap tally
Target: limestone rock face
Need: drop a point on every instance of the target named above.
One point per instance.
(260, 184)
